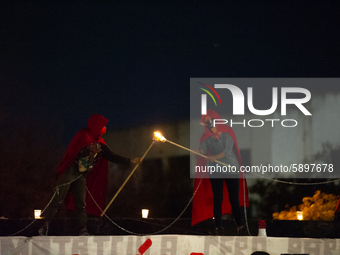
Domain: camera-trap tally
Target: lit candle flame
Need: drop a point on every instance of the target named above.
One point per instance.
(158, 137)
(37, 214)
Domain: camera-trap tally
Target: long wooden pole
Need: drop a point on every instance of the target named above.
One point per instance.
(199, 154)
(121, 187)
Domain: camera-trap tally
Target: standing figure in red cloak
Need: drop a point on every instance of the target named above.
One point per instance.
(221, 192)
(85, 164)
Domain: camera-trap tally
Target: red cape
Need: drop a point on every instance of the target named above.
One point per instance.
(337, 208)
(96, 180)
(202, 204)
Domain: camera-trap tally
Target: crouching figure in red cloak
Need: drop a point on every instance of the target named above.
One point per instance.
(85, 164)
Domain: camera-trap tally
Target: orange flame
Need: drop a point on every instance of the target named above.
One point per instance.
(158, 137)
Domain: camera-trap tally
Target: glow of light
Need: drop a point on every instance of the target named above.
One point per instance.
(158, 137)
(299, 215)
(145, 213)
(37, 214)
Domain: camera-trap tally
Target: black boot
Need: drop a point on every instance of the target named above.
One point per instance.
(84, 232)
(242, 231)
(219, 231)
(43, 231)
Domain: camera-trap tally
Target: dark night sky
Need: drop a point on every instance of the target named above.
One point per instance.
(132, 61)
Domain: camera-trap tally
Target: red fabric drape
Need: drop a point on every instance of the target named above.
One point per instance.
(337, 208)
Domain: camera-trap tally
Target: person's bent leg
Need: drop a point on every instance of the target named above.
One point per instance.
(60, 193)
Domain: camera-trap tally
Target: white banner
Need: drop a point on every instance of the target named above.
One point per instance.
(166, 244)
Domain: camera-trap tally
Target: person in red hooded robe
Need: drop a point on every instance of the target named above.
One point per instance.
(85, 164)
(219, 192)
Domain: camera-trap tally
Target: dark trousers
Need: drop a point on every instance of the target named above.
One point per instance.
(72, 180)
(233, 190)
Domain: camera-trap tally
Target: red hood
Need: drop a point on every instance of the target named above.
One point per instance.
(95, 124)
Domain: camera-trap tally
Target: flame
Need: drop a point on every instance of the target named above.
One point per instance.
(158, 137)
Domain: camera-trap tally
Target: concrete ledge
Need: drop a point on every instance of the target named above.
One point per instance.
(103, 226)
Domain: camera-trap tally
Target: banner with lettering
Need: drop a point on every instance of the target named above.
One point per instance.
(166, 244)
